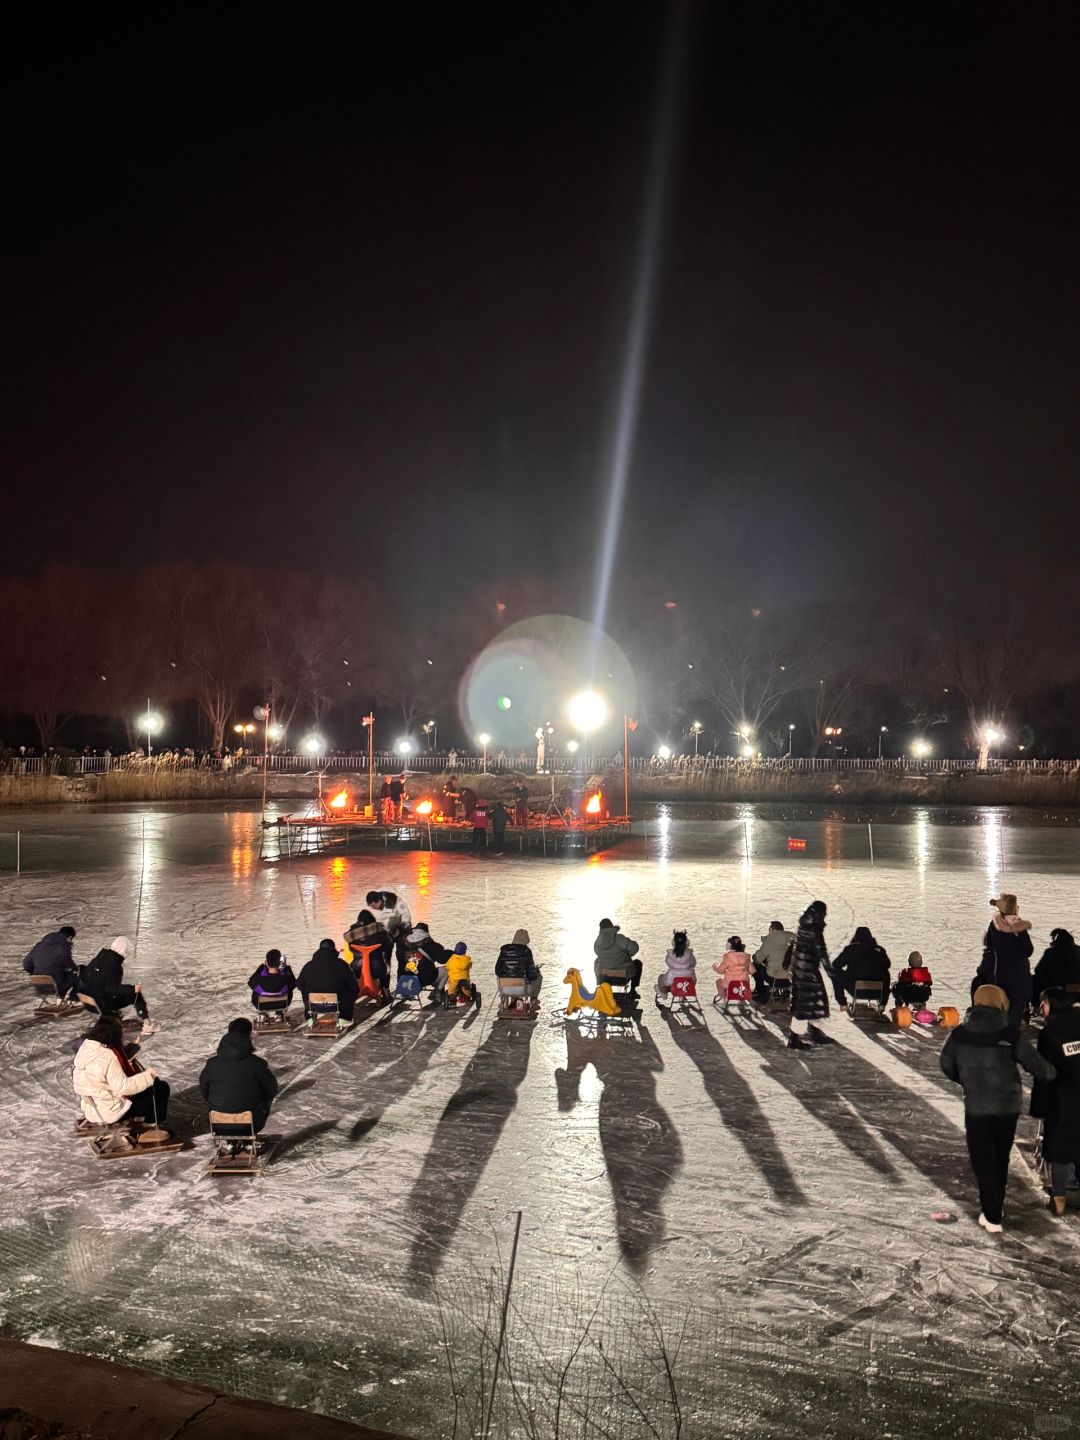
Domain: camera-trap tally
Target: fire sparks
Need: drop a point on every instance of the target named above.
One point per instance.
(424, 808)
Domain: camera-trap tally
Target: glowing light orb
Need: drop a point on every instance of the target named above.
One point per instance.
(504, 702)
(313, 745)
(587, 711)
(664, 752)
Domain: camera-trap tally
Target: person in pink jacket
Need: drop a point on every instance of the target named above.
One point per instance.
(735, 966)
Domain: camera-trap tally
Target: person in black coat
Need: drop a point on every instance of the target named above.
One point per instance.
(274, 978)
(516, 962)
(1057, 1104)
(1059, 966)
(981, 1055)
(52, 956)
(238, 1079)
(327, 974)
(809, 1000)
(862, 959)
(500, 818)
(103, 981)
(1006, 960)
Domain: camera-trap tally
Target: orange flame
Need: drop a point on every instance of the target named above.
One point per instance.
(424, 808)
(593, 805)
(340, 800)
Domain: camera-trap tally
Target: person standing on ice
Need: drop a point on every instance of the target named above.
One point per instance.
(982, 1055)
(809, 1000)
(52, 956)
(1006, 961)
(1058, 968)
(1058, 1105)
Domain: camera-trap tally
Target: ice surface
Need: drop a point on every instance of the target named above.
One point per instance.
(694, 1192)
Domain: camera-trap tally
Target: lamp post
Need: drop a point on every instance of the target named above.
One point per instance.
(369, 722)
(262, 712)
(587, 710)
(695, 730)
(431, 730)
(151, 724)
(485, 741)
(790, 738)
(881, 736)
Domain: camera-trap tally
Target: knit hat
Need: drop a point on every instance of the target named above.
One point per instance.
(992, 996)
(521, 937)
(914, 960)
(120, 945)
(461, 948)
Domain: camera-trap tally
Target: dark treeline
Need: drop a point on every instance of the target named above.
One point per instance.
(82, 651)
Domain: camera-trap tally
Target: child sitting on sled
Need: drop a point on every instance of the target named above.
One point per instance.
(681, 963)
(733, 972)
(273, 978)
(458, 969)
(914, 983)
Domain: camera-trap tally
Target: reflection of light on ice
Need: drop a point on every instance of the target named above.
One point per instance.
(923, 845)
(243, 857)
(992, 844)
(422, 873)
(339, 869)
(662, 835)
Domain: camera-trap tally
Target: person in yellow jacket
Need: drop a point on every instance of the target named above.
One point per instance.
(458, 973)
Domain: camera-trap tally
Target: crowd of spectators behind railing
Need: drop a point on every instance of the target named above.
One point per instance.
(26, 760)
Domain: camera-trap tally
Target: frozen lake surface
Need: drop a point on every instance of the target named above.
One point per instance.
(718, 1236)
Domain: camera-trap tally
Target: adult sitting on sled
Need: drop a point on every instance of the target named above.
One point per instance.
(771, 959)
(516, 962)
(273, 978)
(52, 956)
(110, 1083)
(237, 1079)
(103, 981)
(615, 956)
(809, 1001)
(368, 942)
(325, 974)
(861, 959)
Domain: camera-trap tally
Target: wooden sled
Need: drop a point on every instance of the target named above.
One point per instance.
(867, 1002)
(90, 1006)
(238, 1154)
(514, 1003)
(273, 1017)
(132, 1141)
(325, 1022)
(50, 1006)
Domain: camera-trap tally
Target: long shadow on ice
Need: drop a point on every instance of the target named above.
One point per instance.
(642, 1150)
(738, 1109)
(464, 1141)
(401, 1058)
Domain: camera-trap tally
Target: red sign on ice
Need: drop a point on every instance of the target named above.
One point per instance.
(794, 844)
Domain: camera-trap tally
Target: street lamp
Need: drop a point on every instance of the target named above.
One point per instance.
(404, 746)
(921, 749)
(587, 710)
(369, 725)
(244, 731)
(695, 730)
(790, 739)
(151, 723)
(431, 730)
(485, 741)
(663, 752)
(881, 736)
(572, 747)
(313, 745)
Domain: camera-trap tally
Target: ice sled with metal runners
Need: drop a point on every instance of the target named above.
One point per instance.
(272, 1016)
(50, 1006)
(735, 992)
(514, 1001)
(238, 1149)
(325, 1021)
(778, 998)
(127, 1139)
(90, 1007)
(868, 1001)
(681, 997)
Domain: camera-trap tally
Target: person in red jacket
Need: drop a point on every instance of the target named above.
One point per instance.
(480, 824)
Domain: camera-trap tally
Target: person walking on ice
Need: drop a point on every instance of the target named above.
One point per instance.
(809, 999)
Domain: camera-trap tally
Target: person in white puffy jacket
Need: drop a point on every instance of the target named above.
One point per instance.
(110, 1084)
(680, 960)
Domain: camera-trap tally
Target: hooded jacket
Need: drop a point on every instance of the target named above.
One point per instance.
(982, 1055)
(52, 956)
(808, 998)
(1006, 962)
(325, 973)
(684, 964)
(238, 1079)
(265, 981)
(1059, 966)
(614, 951)
(1058, 1104)
(772, 953)
(862, 959)
(103, 981)
(100, 1079)
(734, 966)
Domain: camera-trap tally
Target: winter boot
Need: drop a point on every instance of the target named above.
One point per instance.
(796, 1042)
(1057, 1205)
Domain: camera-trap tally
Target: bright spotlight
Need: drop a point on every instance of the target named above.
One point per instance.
(992, 736)
(404, 746)
(573, 746)
(313, 745)
(275, 732)
(921, 749)
(485, 738)
(747, 752)
(150, 722)
(664, 752)
(587, 710)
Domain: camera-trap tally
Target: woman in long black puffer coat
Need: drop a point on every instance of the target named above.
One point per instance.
(809, 998)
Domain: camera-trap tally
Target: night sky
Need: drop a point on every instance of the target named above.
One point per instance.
(312, 285)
